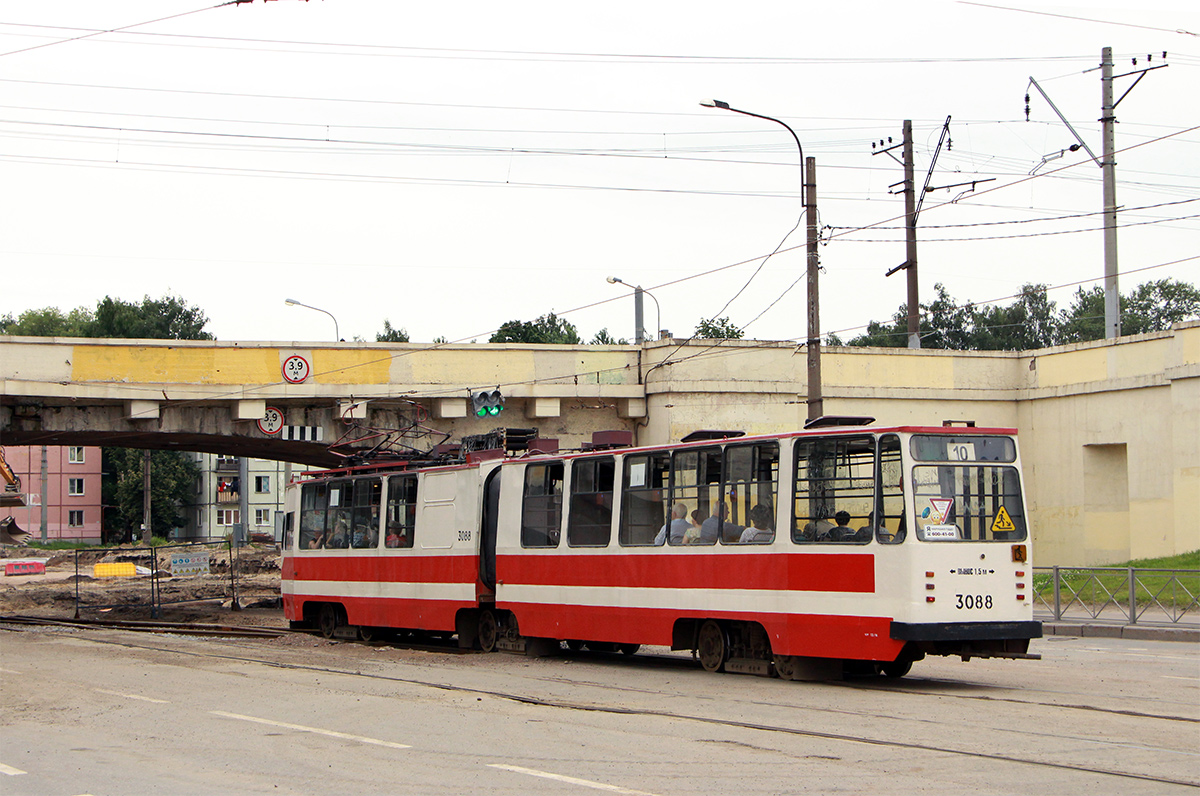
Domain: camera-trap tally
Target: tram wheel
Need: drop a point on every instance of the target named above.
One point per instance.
(574, 645)
(489, 630)
(785, 667)
(367, 633)
(328, 620)
(712, 647)
(897, 668)
(629, 649)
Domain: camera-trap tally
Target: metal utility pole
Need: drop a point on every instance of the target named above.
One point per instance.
(146, 527)
(816, 403)
(910, 239)
(1108, 166)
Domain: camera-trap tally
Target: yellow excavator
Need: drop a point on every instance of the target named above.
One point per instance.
(12, 494)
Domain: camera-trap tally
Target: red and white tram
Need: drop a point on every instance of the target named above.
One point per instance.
(803, 553)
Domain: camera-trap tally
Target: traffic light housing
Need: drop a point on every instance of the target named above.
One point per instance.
(487, 403)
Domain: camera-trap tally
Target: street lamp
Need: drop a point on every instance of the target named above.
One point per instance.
(808, 184)
(639, 327)
(336, 335)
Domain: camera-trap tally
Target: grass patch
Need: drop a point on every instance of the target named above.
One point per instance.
(1096, 586)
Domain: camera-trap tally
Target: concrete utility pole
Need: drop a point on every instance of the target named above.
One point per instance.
(910, 240)
(1108, 166)
(816, 403)
(46, 496)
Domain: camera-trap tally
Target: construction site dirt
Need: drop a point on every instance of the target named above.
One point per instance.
(73, 586)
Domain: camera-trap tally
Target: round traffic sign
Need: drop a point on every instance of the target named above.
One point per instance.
(272, 422)
(296, 369)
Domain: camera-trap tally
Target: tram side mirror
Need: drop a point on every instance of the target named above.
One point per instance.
(1018, 553)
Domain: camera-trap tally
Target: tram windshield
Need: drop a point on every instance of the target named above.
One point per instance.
(963, 494)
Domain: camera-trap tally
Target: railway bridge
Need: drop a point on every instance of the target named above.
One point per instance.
(1108, 429)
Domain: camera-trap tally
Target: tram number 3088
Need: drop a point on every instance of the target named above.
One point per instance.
(973, 601)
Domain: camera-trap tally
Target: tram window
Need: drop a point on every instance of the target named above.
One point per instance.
(289, 526)
(647, 480)
(340, 514)
(541, 512)
(835, 490)
(401, 511)
(889, 502)
(979, 503)
(696, 480)
(589, 517)
(948, 448)
(364, 525)
(314, 499)
(751, 472)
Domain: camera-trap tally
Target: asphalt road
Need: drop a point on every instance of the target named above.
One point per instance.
(113, 712)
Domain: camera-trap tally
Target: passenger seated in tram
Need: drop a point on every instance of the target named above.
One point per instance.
(695, 521)
(341, 534)
(842, 532)
(317, 542)
(716, 526)
(760, 530)
(396, 537)
(677, 525)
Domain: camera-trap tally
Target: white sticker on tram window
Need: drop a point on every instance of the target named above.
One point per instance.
(637, 474)
(335, 497)
(938, 532)
(960, 451)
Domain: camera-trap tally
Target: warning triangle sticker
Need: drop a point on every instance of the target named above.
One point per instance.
(942, 507)
(1003, 523)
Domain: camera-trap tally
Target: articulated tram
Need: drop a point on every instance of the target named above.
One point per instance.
(849, 548)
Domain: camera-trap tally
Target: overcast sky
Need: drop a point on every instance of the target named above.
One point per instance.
(452, 166)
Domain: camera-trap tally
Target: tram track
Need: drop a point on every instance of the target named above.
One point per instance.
(567, 704)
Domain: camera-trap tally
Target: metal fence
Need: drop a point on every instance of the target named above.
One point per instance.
(1120, 594)
(153, 577)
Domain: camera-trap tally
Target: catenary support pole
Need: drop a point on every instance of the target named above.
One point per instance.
(910, 240)
(1108, 166)
(816, 404)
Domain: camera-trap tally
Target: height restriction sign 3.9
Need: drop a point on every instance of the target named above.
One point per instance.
(272, 422)
(296, 369)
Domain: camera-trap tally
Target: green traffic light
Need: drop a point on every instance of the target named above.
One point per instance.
(494, 410)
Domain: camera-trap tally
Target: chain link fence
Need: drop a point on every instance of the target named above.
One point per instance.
(1119, 594)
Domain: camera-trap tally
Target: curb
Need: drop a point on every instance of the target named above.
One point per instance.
(1137, 632)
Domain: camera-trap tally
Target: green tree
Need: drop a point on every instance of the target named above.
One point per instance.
(390, 335)
(602, 337)
(167, 318)
(1149, 307)
(49, 322)
(718, 329)
(1155, 306)
(1029, 323)
(549, 328)
(172, 480)
(943, 324)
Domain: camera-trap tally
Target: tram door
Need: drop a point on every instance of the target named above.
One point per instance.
(489, 520)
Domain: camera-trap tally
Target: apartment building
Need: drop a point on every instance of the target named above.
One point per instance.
(70, 494)
(217, 508)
